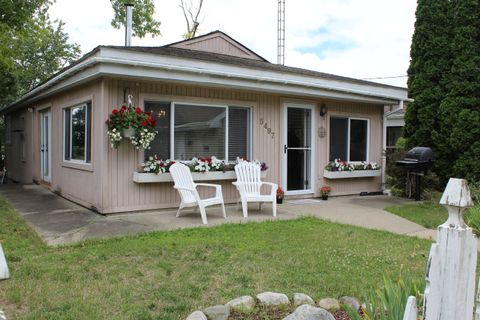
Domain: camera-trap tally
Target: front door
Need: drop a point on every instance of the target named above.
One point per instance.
(45, 141)
(298, 149)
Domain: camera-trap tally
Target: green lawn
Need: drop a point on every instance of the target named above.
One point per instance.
(428, 214)
(166, 275)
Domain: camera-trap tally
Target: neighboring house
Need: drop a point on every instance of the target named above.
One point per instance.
(213, 96)
(394, 124)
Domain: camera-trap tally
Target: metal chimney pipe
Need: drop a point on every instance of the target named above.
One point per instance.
(128, 24)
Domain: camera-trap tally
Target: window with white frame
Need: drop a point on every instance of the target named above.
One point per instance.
(349, 139)
(187, 130)
(77, 133)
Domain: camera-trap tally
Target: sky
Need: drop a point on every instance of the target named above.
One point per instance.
(363, 39)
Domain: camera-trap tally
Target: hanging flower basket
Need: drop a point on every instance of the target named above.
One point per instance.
(132, 123)
(128, 132)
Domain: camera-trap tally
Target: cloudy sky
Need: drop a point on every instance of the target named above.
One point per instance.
(356, 38)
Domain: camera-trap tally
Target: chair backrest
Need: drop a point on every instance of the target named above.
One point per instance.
(183, 179)
(248, 174)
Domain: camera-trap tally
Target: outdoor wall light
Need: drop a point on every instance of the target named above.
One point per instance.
(323, 110)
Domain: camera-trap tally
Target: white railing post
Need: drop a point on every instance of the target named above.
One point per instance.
(450, 277)
(411, 312)
(4, 274)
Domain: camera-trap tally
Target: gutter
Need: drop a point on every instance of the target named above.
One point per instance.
(193, 70)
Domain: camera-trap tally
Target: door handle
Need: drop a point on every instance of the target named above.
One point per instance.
(285, 148)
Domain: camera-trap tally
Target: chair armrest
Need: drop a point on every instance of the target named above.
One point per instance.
(273, 187)
(183, 188)
(218, 188)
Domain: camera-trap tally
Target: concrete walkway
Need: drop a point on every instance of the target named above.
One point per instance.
(59, 221)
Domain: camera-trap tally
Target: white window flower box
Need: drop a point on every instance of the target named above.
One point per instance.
(140, 177)
(351, 174)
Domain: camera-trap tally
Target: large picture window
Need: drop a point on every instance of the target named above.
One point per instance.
(349, 139)
(77, 133)
(192, 130)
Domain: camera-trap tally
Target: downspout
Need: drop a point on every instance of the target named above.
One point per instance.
(384, 148)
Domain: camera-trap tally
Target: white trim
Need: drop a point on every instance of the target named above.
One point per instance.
(312, 148)
(88, 117)
(46, 114)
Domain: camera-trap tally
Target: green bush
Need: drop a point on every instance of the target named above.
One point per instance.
(396, 178)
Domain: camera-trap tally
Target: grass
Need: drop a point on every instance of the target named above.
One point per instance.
(167, 275)
(428, 214)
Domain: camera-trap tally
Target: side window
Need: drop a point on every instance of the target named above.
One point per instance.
(77, 133)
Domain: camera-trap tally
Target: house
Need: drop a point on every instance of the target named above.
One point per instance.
(394, 124)
(213, 96)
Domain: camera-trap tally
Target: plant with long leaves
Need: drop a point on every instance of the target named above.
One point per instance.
(387, 303)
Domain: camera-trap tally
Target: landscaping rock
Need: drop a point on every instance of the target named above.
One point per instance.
(196, 315)
(272, 298)
(350, 301)
(308, 312)
(220, 312)
(243, 303)
(329, 304)
(2, 315)
(301, 298)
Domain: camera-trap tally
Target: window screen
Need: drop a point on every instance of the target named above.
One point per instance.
(160, 146)
(77, 139)
(358, 140)
(199, 131)
(338, 138)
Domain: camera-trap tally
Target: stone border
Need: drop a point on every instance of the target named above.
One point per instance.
(305, 306)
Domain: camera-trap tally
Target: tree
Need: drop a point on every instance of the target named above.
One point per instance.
(143, 21)
(444, 81)
(191, 14)
(430, 61)
(31, 49)
(458, 139)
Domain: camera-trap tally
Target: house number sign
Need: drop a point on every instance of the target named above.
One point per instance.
(265, 127)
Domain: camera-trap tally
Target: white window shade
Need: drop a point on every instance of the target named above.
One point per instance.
(238, 132)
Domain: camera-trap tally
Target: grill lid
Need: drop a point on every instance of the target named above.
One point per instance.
(419, 154)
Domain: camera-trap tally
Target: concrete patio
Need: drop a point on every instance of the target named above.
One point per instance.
(59, 221)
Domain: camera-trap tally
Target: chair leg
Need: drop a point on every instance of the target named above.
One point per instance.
(223, 211)
(245, 208)
(179, 209)
(274, 207)
(203, 214)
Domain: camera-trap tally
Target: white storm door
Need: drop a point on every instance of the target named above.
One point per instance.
(45, 142)
(298, 149)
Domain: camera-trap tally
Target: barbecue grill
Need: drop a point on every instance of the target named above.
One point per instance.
(417, 161)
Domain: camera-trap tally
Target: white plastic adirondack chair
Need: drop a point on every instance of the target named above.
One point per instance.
(249, 184)
(188, 191)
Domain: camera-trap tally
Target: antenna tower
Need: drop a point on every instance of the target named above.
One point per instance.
(281, 33)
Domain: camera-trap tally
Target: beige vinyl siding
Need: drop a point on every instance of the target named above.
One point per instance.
(365, 111)
(125, 195)
(18, 150)
(78, 182)
(107, 184)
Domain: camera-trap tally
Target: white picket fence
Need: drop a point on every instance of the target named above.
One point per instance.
(4, 274)
(450, 277)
